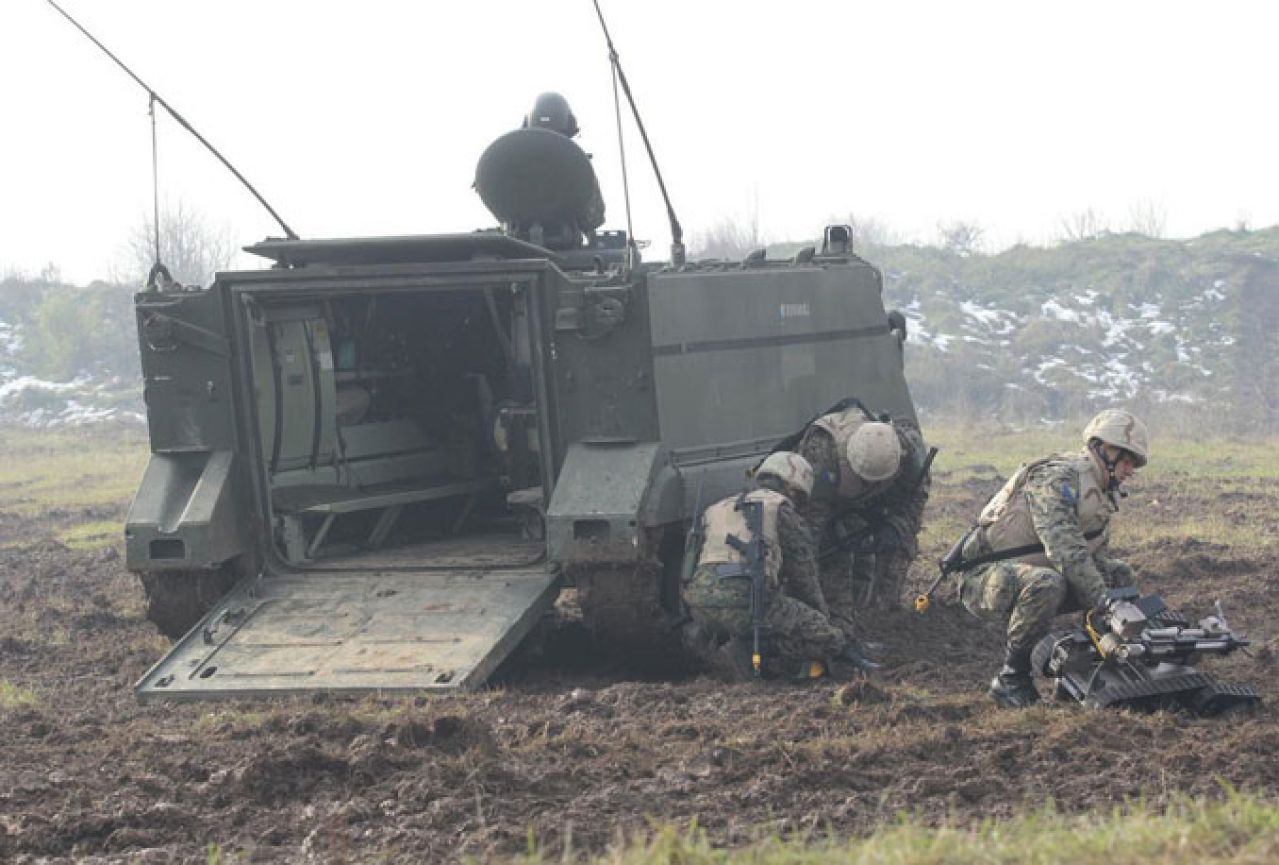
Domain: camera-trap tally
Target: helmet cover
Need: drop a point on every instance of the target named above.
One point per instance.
(1122, 429)
(790, 468)
(874, 451)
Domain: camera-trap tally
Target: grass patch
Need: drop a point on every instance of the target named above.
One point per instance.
(1241, 829)
(51, 470)
(974, 451)
(1216, 528)
(938, 533)
(15, 696)
(93, 535)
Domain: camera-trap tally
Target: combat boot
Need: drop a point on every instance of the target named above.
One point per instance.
(1013, 688)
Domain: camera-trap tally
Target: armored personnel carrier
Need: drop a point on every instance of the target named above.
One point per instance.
(377, 461)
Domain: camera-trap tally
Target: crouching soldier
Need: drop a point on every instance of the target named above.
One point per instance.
(759, 536)
(871, 485)
(1041, 545)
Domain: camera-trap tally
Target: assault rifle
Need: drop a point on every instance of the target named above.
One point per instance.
(753, 551)
(1137, 654)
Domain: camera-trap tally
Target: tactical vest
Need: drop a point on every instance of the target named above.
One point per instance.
(723, 519)
(1005, 523)
(841, 426)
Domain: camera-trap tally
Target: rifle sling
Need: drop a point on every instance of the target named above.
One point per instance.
(1014, 553)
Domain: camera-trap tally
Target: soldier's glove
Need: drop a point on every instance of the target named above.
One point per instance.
(1123, 618)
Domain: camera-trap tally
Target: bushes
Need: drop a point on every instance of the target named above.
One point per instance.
(70, 331)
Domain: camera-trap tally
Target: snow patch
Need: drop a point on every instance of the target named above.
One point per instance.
(17, 386)
(10, 340)
(1053, 309)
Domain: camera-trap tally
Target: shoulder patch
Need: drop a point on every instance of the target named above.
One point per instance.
(1068, 494)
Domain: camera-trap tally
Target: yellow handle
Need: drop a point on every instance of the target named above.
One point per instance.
(922, 603)
(1092, 633)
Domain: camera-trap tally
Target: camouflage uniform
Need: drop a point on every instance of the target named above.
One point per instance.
(1061, 503)
(795, 619)
(897, 504)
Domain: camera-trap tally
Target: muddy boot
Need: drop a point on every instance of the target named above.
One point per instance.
(1012, 688)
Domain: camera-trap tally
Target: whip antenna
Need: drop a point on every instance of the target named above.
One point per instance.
(677, 233)
(155, 97)
(155, 179)
(626, 184)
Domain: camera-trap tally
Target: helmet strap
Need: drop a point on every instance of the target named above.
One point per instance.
(1098, 447)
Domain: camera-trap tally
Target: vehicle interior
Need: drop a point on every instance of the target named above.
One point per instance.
(389, 420)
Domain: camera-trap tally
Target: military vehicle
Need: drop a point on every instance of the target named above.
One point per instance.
(377, 461)
(1138, 656)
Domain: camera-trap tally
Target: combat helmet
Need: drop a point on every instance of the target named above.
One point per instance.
(1115, 426)
(790, 468)
(551, 111)
(874, 451)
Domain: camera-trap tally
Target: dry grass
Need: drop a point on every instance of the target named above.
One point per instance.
(15, 696)
(60, 470)
(75, 482)
(984, 450)
(1242, 830)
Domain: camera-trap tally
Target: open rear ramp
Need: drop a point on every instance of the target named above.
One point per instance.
(355, 632)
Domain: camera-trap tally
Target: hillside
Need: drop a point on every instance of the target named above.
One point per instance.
(1179, 329)
(1175, 328)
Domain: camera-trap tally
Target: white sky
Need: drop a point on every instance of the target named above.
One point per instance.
(368, 118)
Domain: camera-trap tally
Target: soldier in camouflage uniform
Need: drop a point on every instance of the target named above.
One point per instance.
(1041, 545)
(718, 593)
(870, 488)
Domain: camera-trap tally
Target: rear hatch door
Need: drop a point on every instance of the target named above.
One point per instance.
(355, 631)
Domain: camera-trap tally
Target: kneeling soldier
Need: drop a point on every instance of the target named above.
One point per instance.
(1040, 546)
(866, 510)
(756, 575)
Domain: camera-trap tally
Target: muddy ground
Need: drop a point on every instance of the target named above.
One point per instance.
(577, 750)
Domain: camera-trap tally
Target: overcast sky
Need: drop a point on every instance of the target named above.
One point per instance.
(368, 118)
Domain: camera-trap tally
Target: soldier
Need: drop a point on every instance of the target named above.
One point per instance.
(870, 489)
(1041, 545)
(718, 593)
